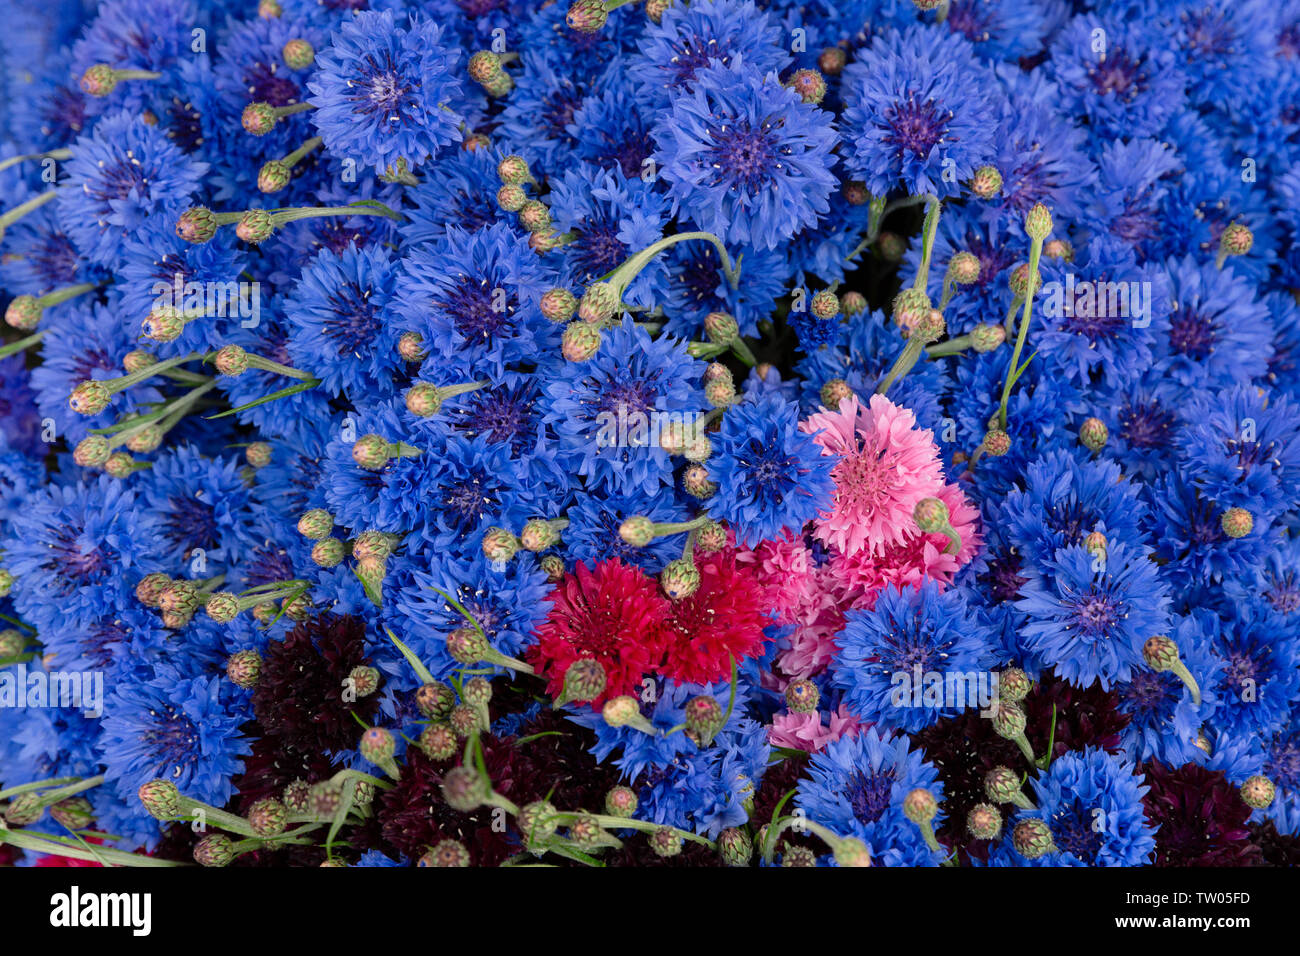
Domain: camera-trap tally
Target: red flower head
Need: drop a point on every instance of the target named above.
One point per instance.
(613, 614)
(725, 617)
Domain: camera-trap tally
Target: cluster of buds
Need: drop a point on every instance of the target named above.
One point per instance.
(532, 213)
(486, 69)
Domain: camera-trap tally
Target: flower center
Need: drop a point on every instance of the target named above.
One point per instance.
(744, 157)
(869, 795)
(1192, 334)
(915, 127)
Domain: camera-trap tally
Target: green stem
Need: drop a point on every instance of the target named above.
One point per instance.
(1035, 251)
(36, 202)
(14, 348)
(903, 364)
(51, 154)
(931, 226)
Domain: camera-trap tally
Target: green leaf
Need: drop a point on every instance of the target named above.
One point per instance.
(459, 607)
(417, 665)
(282, 393)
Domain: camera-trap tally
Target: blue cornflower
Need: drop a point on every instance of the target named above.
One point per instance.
(1284, 366)
(690, 39)
(1100, 314)
(1144, 421)
(594, 519)
(1130, 86)
(78, 551)
(864, 348)
(40, 257)
(155, 268)
(999, 29)
(612, 131)
(473, 297)
(1089, 616)
(1163, 720)
(919, 113)
(538, 120)
(507, 602)
(1218, 334)
(339, 329)
(458, 190)
(770, 475)
(1225, 50)
(608, 412)
(887, 657)
(177, 727)
(856, 788)
(1275, 583)
(1281, 764)
(744, 157)
(1186, 528)
(610, 217)
(385, 93)
(1064, 501)
(201, 505)
(1092, 803)
(1132, 177)
(706, 790)
(1243, 450)
(698, 287)
(122, 174)
(1260, 679)
(666, 709)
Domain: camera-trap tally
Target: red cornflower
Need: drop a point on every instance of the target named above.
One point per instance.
(724, 618)
(613, 614)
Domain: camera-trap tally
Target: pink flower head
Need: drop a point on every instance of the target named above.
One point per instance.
(807, 732)
(784, 567)
(887, 464)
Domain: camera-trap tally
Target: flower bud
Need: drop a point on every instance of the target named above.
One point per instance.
(1236, 240)
(735, 847)
(1018, 281)
(1032, 838)
(984, 821)
(721, 328)
(986, 182)
(377, 745)
(696, 482)
(996, 442)
(179, 597)
(620, 711)
(1258, 792)
(197, 225)
(853, 303)
(964, 268)
(1093, 434)
(255, 227)
(435, 700)
(316, 524)
(711, 537)
(12, 643)
(6, 582)
(581, 341)
(1008, 720)
(327, 553)
(584, 681)
(1058, 249)
(464, 789)
(161, 799)
(222, 607)
(499, 544)
(558, 305)
(1014, 685)
(538, 535)
(832, 61)
(258, 118)
(680, 579)
(825, 305)
(467, 646)
(365, 680)
(410, 347)
(145, 438)
(802, 696)
(534, 216)
(720, 393)
(553, 566)
(511, 197)
(703, 719)
(75, 813)
(1038, 222)
(215, 849)
(1160, 653)
(665, 841)
(297, 796)
(537, 823)
(98, 80)
(513, 169)
(231, 360)
(1001, 784)
(919, 805)
(809, 84)
(267, 817)
(448, 853)
(911, 307)
(799, 856)
(834, 392)
(371, 452)
(24, 312)
(150, 587)
(298, 54)
(89, 398)
(1237, 522)
(258, 454)
(439, 741)
(620, 802)
(92, 451)
(891, 247)
(637, 531)
(274, 176)
(987, 338)
(586, 16)
(851, 851)
(244, 668)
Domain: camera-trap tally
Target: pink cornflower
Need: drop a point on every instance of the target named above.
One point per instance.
(785, 568)
(807, 732)
(887, 464)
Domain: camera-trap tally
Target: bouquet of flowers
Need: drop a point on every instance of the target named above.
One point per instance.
(650, 432)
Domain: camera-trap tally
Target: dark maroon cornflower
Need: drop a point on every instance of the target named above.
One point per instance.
(1277, 849)
(1200, 818)
(297, 697)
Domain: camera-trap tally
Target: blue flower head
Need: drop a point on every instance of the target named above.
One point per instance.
(887, 657)
(123, 174)
(387, 94)
(770, 475)
(1089, 615)
(744, 157)
(919, 105)
(856, 788)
